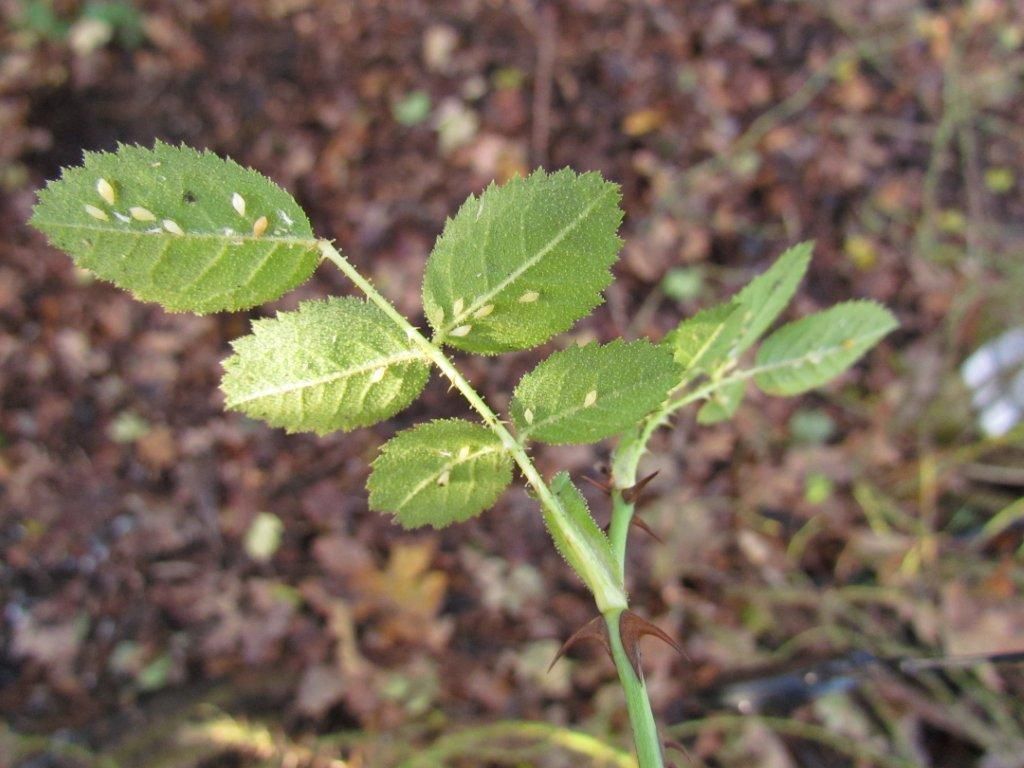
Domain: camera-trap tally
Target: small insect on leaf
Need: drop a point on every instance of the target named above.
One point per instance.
(173, 227)
(552, 234)
(334, 364)
(106, 190)
(141, 214)
(439, 473)
(191, 260)
(96, 213)
(584, 394)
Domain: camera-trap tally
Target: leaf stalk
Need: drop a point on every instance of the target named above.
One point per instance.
(609, 594)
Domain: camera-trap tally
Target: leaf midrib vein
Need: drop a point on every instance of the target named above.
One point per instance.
(553, 243)
(432, 478)
(190, 234)
(571, 410)
(305, 384)
(832, 349)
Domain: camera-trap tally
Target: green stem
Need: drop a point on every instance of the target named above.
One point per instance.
(633, 445)
(618, 530)
(645, 731)
(608, 593)
(625, 462)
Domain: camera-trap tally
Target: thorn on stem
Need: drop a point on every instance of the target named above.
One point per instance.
(595, 629)
(678, 747)
(632, 628)
(632, 494)
(599, 484)
(646, 529)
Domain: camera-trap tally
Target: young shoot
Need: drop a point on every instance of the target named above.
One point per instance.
(515, 266)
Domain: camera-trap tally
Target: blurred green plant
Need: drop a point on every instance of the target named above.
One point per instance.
(413, 108)
(97, 24)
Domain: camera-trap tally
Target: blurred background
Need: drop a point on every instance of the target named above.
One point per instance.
(185, 588)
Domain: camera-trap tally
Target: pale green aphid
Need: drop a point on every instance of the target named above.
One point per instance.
(516, 266)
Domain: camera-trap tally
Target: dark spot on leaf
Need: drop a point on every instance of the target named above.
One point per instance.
(189, 197)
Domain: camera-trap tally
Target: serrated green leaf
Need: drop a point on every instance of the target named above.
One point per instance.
(584, 394)
(523, 261)
(702, 342)
(186, 229)
(811, 351)
(723, 403)
(764, 297)
(439, 473)
(580, 541)
(333, 364)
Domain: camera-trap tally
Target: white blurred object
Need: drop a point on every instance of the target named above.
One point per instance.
(995, 376)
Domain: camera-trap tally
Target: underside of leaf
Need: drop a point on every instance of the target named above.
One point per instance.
(330, 365)
(187, 229)
(523, 261)
(439, 473)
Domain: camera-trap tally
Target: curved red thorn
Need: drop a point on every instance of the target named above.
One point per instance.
(632, 494)
(595, 629)
(646, 529)
(678, 747)
(598, 484)
(632, 628)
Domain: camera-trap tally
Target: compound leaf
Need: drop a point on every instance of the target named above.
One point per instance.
(584, 394)
(186, 229)
(523, 261)
(764, 297)
(807, 353)
(333, 364)
(438, 473)
(579, 540)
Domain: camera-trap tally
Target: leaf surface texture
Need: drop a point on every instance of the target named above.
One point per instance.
(187, 229)
(439, 473)
(523, 261)
(764, 297)
(809, 352)
(584, 394)
(330, 365)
